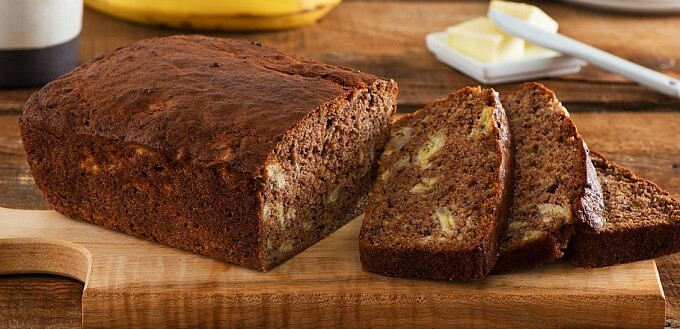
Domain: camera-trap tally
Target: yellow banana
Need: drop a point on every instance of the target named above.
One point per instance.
(230, 15)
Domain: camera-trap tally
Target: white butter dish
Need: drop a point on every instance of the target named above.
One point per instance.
(537, 63)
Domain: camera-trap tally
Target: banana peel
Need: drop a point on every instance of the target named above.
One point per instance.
(226, 15)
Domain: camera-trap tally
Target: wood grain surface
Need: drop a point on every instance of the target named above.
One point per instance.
(630, 124)
(130, 282)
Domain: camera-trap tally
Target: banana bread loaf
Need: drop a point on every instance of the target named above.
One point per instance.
(221, 147)
(643, 221)
(439, 206)
(555, 182)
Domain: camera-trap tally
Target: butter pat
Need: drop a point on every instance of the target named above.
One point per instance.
(480, 39)
(528, 13)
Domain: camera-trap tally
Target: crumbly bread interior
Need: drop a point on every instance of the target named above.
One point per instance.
(643, 221)
(549, 180)
(319, 176)
(632, 202)
(440, 180)
(548, 167)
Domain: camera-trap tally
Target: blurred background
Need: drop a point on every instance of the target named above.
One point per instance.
(387, 38)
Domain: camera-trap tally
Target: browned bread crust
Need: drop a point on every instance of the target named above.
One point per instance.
(441, 218)
(221, 147)
(555, 185)
(643, 221)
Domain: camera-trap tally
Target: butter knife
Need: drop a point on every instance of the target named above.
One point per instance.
(563, 44)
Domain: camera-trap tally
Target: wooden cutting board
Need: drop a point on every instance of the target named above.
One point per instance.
(132, 282)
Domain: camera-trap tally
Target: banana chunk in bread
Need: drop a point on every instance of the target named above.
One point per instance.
(439, 206)
(222, 147)
(554, 181)
(643, 221)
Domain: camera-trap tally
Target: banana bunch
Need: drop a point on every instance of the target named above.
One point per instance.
(228, 15)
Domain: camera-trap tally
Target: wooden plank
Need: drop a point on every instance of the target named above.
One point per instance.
(669, 267)
(132, 282)
(368, 36)
(17, 188)
(40, 301)
(12, 100)
(374, 28)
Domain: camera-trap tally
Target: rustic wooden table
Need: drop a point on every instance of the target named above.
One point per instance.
(632, 125)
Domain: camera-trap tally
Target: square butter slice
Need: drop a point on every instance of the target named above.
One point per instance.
(480, 39)
(531, 14)
(528, 13)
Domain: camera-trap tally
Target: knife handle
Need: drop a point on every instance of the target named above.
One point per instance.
(615, 64)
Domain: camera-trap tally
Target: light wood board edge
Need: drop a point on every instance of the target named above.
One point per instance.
(123, 307)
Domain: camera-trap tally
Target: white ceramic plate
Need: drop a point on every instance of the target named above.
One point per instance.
(539, 63)
(638, 6)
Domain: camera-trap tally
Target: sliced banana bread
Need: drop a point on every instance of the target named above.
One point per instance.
(643, 221)
(222, 147)
(555, 185)
(439, 206)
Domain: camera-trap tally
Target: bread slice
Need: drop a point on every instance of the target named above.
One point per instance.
(555, 185)
(643, 221)
(439, 206)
